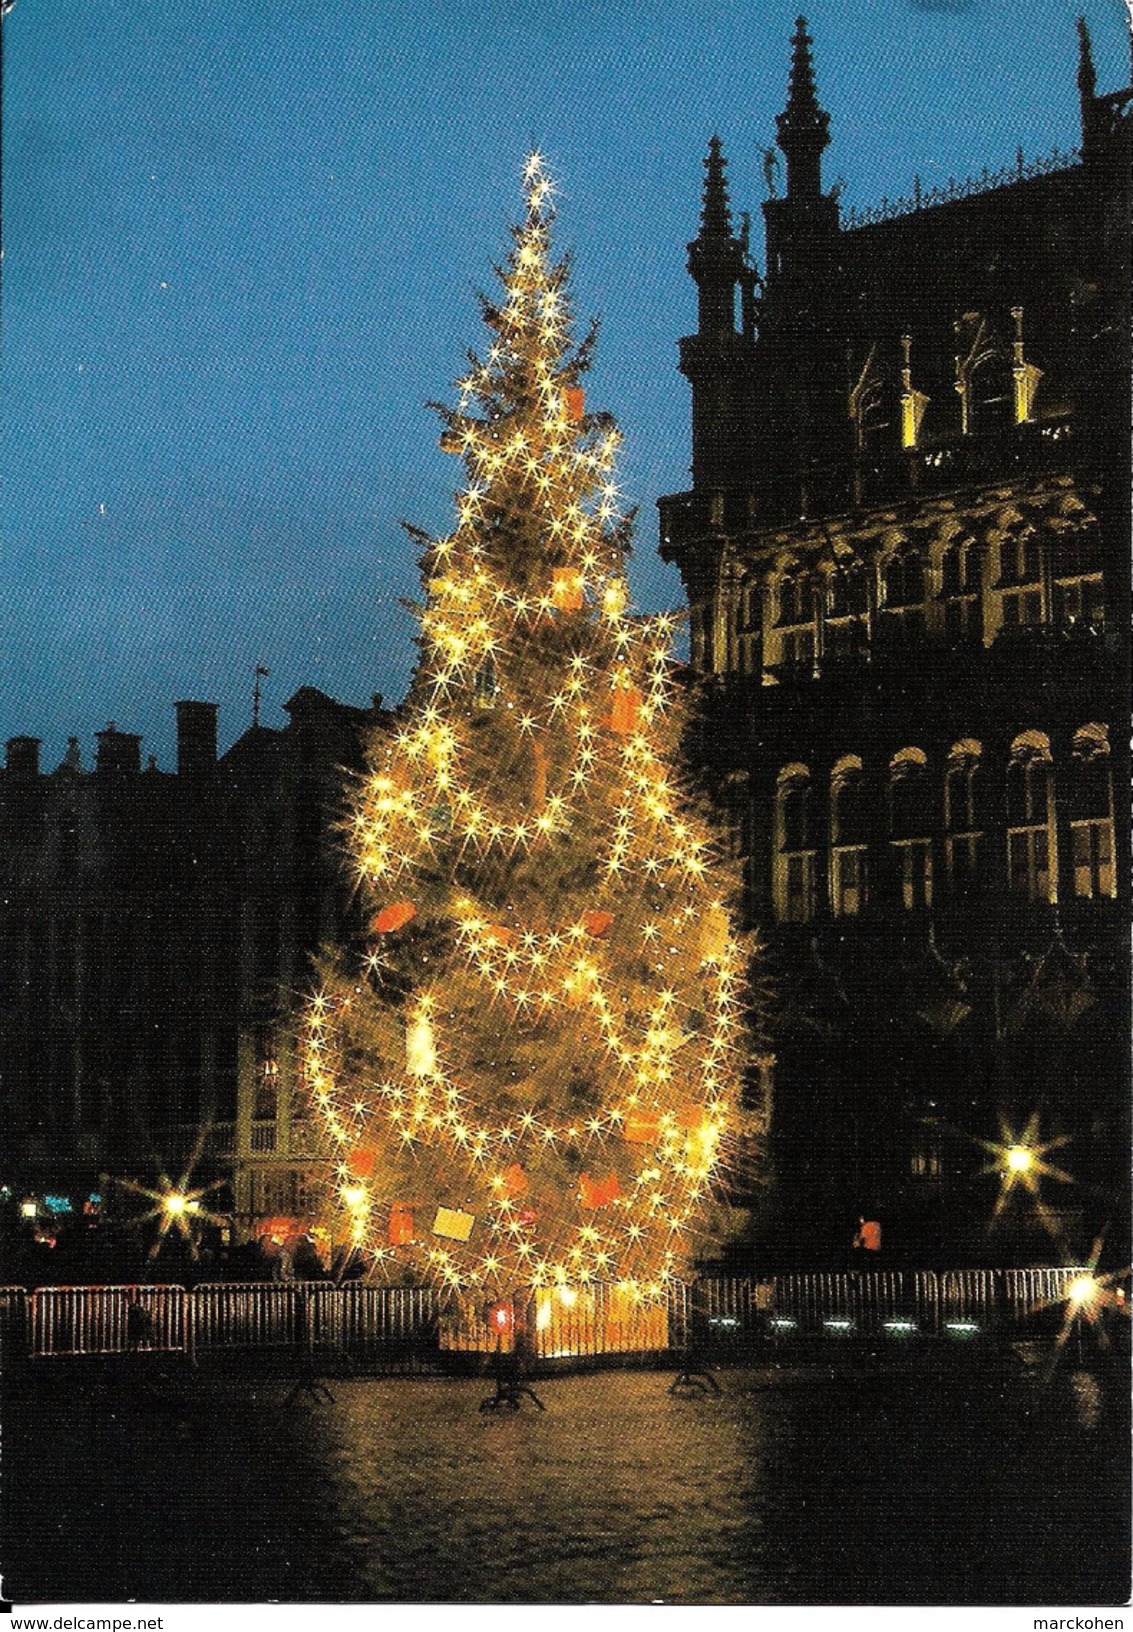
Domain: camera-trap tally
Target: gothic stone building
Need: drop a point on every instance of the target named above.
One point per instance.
(906, 556)
(156, 933)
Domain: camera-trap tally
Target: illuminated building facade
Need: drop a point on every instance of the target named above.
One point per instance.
(155, 936)
(906, 557)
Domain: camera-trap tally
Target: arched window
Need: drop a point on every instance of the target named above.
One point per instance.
(793, 859)
(1020, 571)
(959, 589)
(848, 838)
(1079, 591)
(846, 605)
(1091, 815)
(903, 593)
(794, 617)
(749, 617)
(1031, 865)
(903, 575)
(910, 826)
(963, 815)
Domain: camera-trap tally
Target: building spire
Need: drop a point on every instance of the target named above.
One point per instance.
(715, 215)
(1087, 73)
(803, 126)
(716, 258)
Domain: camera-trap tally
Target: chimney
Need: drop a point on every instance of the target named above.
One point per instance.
(118, 751)
(23, 757)
(196, 738)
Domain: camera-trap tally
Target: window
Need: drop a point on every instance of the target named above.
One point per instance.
(959, 589)
(963, 817)
(848, 881)
(1091, 815)
(1023, 609)
(904, 579)
(1080, 603)
(991, 395)
(794, 858)
(910, 826)
(793, 600)
(1030, 839)
(748, 627)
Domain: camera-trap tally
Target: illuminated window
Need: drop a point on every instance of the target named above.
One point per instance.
(794, 858)
(1030, 833)
(848, 880)
(1091, 815)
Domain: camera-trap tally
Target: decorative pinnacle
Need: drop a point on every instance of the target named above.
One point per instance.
(802, 93)
(803, 127)
(715, 215)
(1087, 74)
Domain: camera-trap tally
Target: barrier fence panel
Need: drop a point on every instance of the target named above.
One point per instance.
(969, 1295)
(259, 1314)
(1036, 1298)
(73, 1320)
(13, 1323)
(406, 1327)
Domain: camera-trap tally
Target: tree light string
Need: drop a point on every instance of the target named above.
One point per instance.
(531, 1072)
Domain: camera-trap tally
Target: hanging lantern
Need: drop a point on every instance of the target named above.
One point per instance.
(420, 1048)
(625, 710)
(597, 923)
(574, 401)
(566, 588)
(395, 916)
(598, 1192)
(400, 1225)
(453, 1224)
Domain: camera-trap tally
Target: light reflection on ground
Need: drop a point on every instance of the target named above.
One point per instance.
(949, 1483)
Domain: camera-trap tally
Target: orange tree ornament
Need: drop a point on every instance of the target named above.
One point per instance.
(546, 1058)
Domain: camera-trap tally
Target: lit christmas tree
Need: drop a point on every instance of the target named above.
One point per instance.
(531, 1078)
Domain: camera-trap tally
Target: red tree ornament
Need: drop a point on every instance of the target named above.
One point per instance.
(597, 923)
(574, 400)
(598, 1192)
(400, 1225)
(625, 710)
(395, 916)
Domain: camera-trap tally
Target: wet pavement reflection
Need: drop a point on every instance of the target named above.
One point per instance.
(1000, 1483)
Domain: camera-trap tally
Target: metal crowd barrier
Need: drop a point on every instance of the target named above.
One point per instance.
(89, 1320)
(408, 1328)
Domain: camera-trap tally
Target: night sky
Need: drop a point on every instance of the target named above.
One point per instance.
(242, 241)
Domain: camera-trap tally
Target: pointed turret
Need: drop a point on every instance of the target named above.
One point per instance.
(1087, 90)
(803, 126)
(716, 257)
(716, 360)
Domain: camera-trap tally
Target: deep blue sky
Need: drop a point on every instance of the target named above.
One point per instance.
(241, 240)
